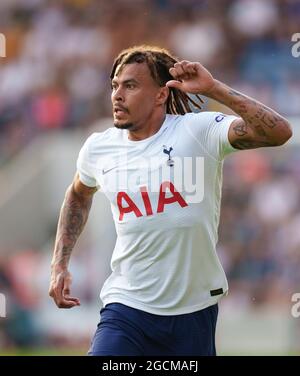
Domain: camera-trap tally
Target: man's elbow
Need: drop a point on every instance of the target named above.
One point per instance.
(285, 134)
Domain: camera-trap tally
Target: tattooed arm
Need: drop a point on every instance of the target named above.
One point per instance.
(73, 216)
(258, 126)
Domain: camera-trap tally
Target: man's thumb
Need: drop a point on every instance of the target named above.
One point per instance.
(175, 84)
(66, 291)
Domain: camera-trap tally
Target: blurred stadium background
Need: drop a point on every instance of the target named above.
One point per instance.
(54, 91)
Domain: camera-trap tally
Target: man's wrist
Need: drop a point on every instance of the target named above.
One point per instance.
(58, 266)
(214, 90)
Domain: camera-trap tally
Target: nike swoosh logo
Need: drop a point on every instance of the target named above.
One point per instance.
(107, 170)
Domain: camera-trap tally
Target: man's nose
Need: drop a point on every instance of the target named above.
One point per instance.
(118, 95)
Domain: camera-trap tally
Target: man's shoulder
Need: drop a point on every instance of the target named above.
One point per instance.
(107, 135)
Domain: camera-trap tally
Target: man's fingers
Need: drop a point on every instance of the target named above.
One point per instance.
(183, 70)
(191, 68)
(177, 72)
(67, 286)
(175, 84)
(58, 288)
(179, 69)
(67, 291)
(186, 66)
(72, 299)
(173, 72)
(67, 302)
(60, 291)
(69, 298)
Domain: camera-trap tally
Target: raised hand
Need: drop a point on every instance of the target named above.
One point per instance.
(191, 78)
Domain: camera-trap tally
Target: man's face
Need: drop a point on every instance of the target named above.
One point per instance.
(134, 96)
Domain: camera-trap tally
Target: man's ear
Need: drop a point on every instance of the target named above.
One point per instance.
(162, 95)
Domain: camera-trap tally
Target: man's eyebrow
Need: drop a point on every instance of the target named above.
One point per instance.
(130, 80)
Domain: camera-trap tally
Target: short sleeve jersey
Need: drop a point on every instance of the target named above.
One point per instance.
(165, 194)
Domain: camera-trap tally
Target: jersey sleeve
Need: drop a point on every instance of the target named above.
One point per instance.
(84, 164)
(210, 129)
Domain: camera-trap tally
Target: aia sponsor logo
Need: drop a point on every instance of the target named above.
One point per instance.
(127, 205)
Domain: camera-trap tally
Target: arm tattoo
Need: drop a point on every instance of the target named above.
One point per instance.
(73, 216)
(244, 144)
(240, 129)
(261, 126)
(260, 131)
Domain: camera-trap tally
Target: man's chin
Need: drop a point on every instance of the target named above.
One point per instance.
(123, 125)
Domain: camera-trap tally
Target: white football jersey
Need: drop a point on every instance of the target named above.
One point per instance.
(165, 194)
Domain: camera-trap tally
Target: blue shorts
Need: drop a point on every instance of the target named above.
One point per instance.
(126, 331)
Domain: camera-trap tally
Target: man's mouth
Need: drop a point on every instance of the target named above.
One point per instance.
(120, 110)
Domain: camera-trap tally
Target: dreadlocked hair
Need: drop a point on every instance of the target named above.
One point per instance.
(159, 61)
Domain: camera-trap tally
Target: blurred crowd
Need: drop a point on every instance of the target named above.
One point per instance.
(260, 217)
(56, 77)
(60, 52)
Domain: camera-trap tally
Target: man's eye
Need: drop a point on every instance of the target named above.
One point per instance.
(130, 86)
